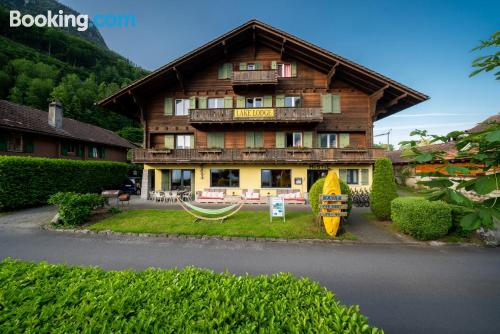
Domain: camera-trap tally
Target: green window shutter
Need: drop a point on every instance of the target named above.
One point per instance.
(191, 141)
(259, 139)
(364, 177)
(215, 140)
(308, 139)
(101, 152)
(343, 174)
(240, 102)
(202, 102)
(294, 69)
(274, 65)
(243, 66)
(169, 142)
(336, 103)
(3, 142)
(280, 140)
(250, 139)
(222, 72)
(326, 103)
(229, 70)
(280, 101)
(344, 140)
(168, 106)
(80, 150)
(89, 152)
(268, 101)
(64, 149)
(28, 144)
(192, 102)
(228, 101)
(258, 66)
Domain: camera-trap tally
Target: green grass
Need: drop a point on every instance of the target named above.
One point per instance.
(243, 224)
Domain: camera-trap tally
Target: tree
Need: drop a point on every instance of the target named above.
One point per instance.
(383, 189)
(384, 146)
(489, 62)
(134, 135)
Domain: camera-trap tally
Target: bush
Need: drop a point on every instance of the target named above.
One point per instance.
(457, 213)
(383, 189)
(317, 189)
(420, 218)
(57, 298)
(26, 181)
(75, 209)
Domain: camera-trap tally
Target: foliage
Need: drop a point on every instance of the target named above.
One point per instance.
(481, 179)
(389, 147)
(420, 218)
(383, 189)
(402, 174)
(75, 209)
(134, 135)
(114, 210)
(317, 189)
(26, 181)
(489, 62)
(57, 298)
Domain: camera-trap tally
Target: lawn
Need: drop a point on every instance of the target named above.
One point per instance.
(243, 224)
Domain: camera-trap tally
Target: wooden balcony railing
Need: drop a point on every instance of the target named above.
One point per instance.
(240, 115)
(255, 77)
(252, 155)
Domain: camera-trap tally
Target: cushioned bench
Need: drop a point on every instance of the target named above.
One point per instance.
(211, 195)
(291, 195)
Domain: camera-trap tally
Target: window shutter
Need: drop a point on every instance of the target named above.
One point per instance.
(28, 144)
(326, 103)
(243, 66)
(294, 69)
(169, 142)
(258, 66)
(229, 70)
(192, 102)
(222, 72)
(64, 149)
(80, 150)
(250, 139)
(364, 177)
(228, 101)
(215, 140)
(268, 101)
(101, 153)
(259, 139)
(240, 102)
(343, 175)
(344, 140)
(3, 142)
(280, 140)
(336, 103)
(280, 101)
(202, 102)
(168, 107)
(274, 65)
(191, 141)
(308, 138)
(89, 152)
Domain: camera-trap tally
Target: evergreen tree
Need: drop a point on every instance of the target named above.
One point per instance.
(383, 189)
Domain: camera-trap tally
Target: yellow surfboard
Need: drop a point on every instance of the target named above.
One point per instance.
(331, 187)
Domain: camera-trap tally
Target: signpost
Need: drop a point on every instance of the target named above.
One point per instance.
(276, 208)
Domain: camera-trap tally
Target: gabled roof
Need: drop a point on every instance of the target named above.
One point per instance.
(393, 96)
(23, 118)
(484, 124)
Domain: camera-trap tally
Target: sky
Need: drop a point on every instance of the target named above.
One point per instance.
(425, 45)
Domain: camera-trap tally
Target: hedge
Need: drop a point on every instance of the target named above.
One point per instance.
(383, 189)
(317, 189)
(46, 298)
(26, 181)
(75, 209)
(420, 218)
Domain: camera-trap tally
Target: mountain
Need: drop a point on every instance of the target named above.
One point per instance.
(34, 7)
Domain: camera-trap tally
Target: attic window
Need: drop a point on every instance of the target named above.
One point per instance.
(285, 70)
(251, 67)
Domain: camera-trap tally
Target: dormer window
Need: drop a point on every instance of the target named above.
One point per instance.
(251, 67)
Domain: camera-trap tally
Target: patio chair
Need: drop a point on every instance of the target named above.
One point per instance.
(152, 195)
(160, 196)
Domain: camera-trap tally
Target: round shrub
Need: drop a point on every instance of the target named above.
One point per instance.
(420, 218)
(57, 298)
(383, 189)
(75, 209)
(317, 189)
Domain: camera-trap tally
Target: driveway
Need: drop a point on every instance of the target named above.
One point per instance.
(401, 288)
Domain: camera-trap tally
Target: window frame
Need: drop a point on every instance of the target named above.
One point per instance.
(251, 67)
(294, 100)
(348, 175)
(185, 103)
(230, 170)
(219, 99)
(280, 68)
(328, 134)
(255, 98)
(183, 135)
(275, 186)
(11, 142)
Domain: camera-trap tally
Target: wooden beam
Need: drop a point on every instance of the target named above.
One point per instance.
(254, 42)
(303, 59)
(178, 74)
(331, 74)
(374, 98)
(224, 45)
(391, 103)
(282, 51)
(380, 91)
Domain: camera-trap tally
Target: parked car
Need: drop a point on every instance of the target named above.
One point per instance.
(131, 187)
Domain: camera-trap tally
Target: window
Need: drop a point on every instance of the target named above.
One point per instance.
(71, 148)
(293, 139)
(225, 178)
(184, 141)
(350, 176)
(285, 70)
(254, 102)
(15, 142)
(95, 153)
(181, 178)
(292, 101)
(276, 178)
(215, 102)
(251, 67)
(181, 107)
(327, 140)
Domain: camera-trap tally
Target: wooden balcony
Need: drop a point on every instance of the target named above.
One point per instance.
(255, 77)
(255, 115)
(251, 155)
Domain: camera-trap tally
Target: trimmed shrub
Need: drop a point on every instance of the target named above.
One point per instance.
(57, 298)
(383, 189)
(26, 181)
(317, 189)
(75, 209)
(420, 218)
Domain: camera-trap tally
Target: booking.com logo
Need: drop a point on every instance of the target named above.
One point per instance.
(60, 20)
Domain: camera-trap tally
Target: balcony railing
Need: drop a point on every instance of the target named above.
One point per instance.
(255, 77)
(252, 155)
(252, 115)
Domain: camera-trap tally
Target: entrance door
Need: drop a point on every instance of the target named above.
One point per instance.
(314, 175)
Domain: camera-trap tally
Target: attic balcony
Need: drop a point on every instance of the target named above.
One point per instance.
(253, 155)
(256, 115)
(254, 77)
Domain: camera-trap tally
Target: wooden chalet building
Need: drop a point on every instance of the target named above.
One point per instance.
(258, 108)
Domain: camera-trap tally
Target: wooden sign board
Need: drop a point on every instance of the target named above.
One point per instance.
(340, 198)
(333, 206)
(333, 214)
